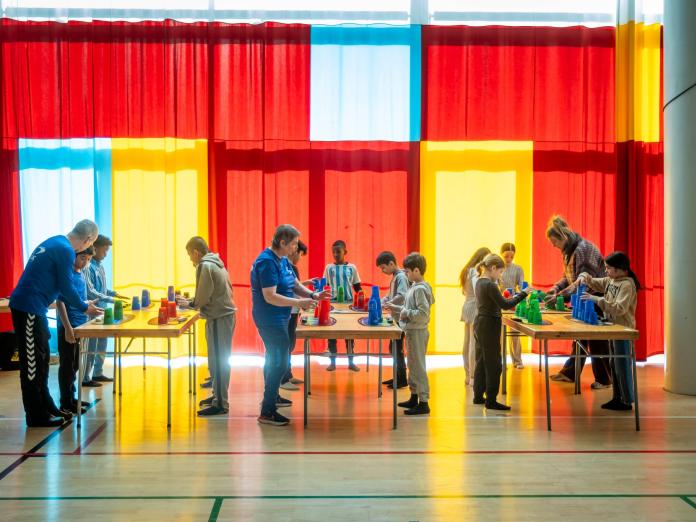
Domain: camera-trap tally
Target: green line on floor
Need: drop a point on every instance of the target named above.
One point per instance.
(689, 501)
(216, 510)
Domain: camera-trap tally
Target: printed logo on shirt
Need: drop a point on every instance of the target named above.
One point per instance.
(39, 250)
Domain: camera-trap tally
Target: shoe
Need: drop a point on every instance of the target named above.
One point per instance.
(617, 405)
(50, 422)
(519, 366)
(207, 384)
(331, 367)
(211, 410)
(388, 382)
(497, 406)
(65, 414)
(421, 408)
(274, 419)
(92, 384)
(102, 378)
(411, 403)
(599, 386)
(295, 380)
(289, 386)
(403, 383)
(561, 377)
(479, 400)
(73, 411)
(282, 402)
(206, 402)
(327, 353)
(353, 368)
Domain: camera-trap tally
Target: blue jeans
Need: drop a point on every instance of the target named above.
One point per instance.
(276, 341)
(622, 372)
(96, 349)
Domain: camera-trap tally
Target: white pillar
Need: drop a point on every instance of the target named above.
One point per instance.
(680, 195)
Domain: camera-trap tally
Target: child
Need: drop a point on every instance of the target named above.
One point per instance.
(487, 326)
(386, 262)
(619, 306)
(340, 273)
(214, 300)
(512, 277)
(69, 318)
(467, 280)
(289, 382)
(414, 317)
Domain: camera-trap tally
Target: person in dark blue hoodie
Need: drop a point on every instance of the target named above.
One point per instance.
(48, 273)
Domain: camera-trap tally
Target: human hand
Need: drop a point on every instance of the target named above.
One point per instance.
(305, 303)
(93, 309)
(70, 336)
(182, 302)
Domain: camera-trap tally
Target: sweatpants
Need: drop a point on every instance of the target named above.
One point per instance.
(489, 363)
(218, 336)
(622, 372)
(275, 341)
(350, 348)
(34, 355)
(67, 370)
(516, 350)
(417, 343)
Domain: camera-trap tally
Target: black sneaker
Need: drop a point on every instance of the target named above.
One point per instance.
(411, 403)
(421, 408)
(207, 384)
(73, 410)
(403, 383)
(274, 419)
(65, 414)
(50, 422)
(282, 402)
(102, 378)
(206, 402)
(92, 384)
(388, 382)
(211, 410)
(497, 406)
(617, 405)
(479, 400)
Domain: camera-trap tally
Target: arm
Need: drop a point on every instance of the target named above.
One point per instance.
(63, 314)
(272, 297)
(401, 289)
(505, 304)
(64, 273)
(92, 292)
(356, 280)
(596, 284)
(422, 308)
(520, 279)
(204, 287)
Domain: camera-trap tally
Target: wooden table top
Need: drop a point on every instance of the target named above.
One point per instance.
(348, 327)
(138, 326)
(563, 327)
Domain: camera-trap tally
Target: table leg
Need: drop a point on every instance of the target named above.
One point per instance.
(394, 379)
(539, 348)
(379, 372)
(504, 383)
(144, 349)
(548, 395)
(306, 378)
(120, 374)
(80, 371)
(188, 366)
(195, 368)
(368, 356)
(635, 385)
(169, 383)
(308, 375)
(116, 381)
(578, 352)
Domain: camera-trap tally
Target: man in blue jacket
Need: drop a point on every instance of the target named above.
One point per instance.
(48, 273)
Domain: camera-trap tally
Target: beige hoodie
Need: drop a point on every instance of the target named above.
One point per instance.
(213, 289)
(619, 300)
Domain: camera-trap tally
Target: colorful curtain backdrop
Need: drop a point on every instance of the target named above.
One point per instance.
(439, 138)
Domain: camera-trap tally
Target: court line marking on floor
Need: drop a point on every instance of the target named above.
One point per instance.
(216, 510)
(80, 448)
(689, 501)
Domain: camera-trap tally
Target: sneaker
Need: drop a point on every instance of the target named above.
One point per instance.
(206, 402)
(479, 400)
(50, 422)
(211, 410)
(282, 402)
(617, 405)
(289, 386)
(102, 378)
(403, 383)
(353, 368)
(65, 414)
(421, 408)
(331, 367)
(295, 380)
(73, 411)
(274, 419)
(411, 403)
(519, 366)
(92, 384)
(599, 386)
(327, 353)
(561, 377)
(497, 406)
(207, 384)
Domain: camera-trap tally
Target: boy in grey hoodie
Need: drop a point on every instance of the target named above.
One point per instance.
(214, 300)
(414, 317)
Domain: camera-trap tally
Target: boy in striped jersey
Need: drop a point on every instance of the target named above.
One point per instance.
(340, 273)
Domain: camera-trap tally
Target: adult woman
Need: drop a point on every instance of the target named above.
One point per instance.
(273, 283)
(579, 255)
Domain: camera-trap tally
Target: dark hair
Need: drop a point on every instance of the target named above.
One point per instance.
(620, 261)
(558, 228)
(415, 260)
(384, 258)
(475, 260)
(284, 233)
(339, 243)
(301, 247)
(89, 251)
(507, 247)
(197, 243)
(102, 241)
(490, 261)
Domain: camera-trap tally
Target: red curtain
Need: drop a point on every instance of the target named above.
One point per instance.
(11, 224)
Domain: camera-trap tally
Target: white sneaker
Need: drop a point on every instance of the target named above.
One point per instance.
(519, 366)
(289, 386)
(599, 386)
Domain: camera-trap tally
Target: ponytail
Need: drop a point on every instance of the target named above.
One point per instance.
(620, 261)
(558, 228)
(490, 261)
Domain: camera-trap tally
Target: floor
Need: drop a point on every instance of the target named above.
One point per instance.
(460, 463)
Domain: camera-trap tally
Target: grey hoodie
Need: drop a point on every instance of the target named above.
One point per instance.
(213, 288)
(415, 314)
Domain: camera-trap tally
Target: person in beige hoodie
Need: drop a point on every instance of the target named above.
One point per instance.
(618, 303)
(414, 317)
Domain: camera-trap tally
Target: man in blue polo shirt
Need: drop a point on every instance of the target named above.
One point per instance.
(48, 273)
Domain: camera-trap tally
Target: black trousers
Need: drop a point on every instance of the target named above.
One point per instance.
(400, 360)
(68, 354)
(489, 364)
(34, 356)
(600, 367)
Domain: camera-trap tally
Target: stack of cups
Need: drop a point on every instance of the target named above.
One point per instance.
(135, 303)
(108, 316)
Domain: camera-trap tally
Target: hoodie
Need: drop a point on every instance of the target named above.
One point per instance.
(619, 300)
(213, 288)
(415, 313)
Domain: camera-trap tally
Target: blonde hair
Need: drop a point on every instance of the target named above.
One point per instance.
(475, 260)
(558, 228)
(490, 261)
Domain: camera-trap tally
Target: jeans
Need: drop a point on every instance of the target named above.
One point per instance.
(276, 341)
(622, 372)
(96, 349)
(292, 334)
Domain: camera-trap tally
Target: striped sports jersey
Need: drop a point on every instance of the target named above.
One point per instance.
(512, 277)
(341, 275)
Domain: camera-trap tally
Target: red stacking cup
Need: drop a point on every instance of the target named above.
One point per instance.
(164, 303)
(171, 309)
(163, 316)
(361, 299)
(355, 299)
